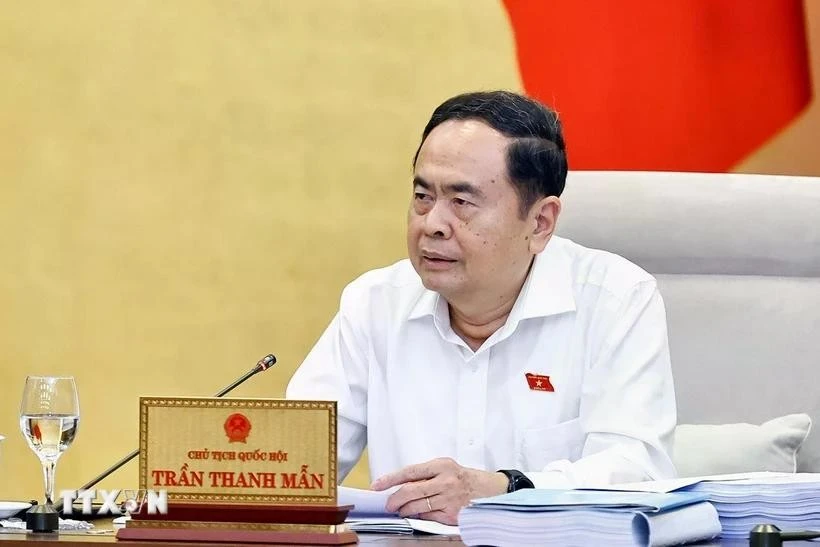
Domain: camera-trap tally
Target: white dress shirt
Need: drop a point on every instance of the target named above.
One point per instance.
(411, 390)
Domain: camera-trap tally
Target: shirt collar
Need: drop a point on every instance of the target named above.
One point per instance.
(547, 291)
(426, 304)
(431, 303)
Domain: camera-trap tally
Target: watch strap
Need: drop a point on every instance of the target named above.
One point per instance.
(516, 480)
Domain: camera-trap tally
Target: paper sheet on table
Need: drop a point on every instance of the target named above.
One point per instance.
(670, 485)
(370, 515)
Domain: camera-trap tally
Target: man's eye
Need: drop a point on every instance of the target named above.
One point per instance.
(420, 196)
(459, 201)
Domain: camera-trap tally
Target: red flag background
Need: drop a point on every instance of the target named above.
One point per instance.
(686, 85)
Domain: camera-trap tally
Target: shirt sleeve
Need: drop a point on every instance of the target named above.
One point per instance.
(627, 409)
(336, 370)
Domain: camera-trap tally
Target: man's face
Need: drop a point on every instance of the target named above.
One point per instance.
(465, 235)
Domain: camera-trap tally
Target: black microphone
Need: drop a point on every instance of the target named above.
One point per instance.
(769, 535)
(264, 364)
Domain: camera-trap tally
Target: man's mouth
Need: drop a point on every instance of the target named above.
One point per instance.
(436, 262)
(436, 257)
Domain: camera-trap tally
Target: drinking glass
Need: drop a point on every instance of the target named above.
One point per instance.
(49, 416)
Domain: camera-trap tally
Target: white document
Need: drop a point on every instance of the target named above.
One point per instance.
(370, 515)
(670, 485)
(433, 527)
(367, 502)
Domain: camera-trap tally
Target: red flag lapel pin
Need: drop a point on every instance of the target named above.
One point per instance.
(539, 382)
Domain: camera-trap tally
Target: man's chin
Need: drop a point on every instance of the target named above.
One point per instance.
(437, 282)
(433, 279)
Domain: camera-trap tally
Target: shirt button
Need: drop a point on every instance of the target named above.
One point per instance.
(471, 442)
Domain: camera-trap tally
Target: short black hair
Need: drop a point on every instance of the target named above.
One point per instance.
(536, 157)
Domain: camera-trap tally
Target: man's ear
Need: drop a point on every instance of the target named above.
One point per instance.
(544, 218)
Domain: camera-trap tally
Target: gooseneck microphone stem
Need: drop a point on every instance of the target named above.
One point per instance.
(769, 535)
(264, 364)
(238, 381)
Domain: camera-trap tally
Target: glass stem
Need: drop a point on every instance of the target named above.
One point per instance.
(48, 475)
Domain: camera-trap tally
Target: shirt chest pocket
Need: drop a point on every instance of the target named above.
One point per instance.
(539, 446)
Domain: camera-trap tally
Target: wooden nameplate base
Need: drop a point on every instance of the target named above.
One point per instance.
(282, 524)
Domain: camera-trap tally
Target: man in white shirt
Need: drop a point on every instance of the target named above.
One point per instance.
(498, 356)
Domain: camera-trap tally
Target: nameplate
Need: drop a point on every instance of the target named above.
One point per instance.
(243, 451)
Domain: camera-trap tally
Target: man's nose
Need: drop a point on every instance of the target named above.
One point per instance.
(437, 221)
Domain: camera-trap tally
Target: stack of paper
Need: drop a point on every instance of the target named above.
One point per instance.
(588, 517)
(791, 502)
(379, 525)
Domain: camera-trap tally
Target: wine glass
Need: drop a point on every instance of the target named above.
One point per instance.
(49, 416)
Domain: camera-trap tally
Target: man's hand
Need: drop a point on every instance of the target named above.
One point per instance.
(438, 489)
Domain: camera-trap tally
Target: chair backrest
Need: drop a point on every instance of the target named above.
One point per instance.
(737, 258)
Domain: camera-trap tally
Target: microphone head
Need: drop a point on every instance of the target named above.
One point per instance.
(266, 362)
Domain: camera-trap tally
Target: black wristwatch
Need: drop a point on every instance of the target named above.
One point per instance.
(517, 480)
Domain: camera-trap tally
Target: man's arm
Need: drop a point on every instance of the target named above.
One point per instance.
(628, 410)
(336, 370)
